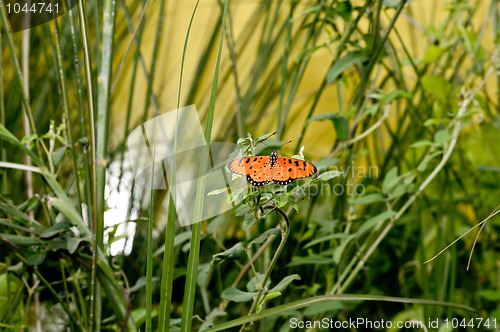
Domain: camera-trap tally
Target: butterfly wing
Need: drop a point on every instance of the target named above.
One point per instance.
(288, 169)
(257, 169)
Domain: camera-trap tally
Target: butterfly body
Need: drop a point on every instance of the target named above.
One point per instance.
(262, 170)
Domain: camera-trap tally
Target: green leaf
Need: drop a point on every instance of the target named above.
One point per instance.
(141, 283)
(327, 238)
(249, 221)
(232, 252)
(72, 243)
(282, 199)
(242, 210)
(7, 136)
(395, 95)
(432, 54)
(270, 296)
(232, 196)
(263, 237)
(323, 117)
(309, 260)
(341, 125)
(442, 136)
(56, 228)
(22, 240)
(217, 191)
(339, 250)
(435, 85)
(30, 205)
(296, 156)
(203, 274)
(292, 202)
(368, 199)
(59, 155)
(436, 121)
(211, 318)
(329, 175)
(325, 163)
(344, 10)
(422, 143)
(490, 295)
(244, 142)
(235, 295)
(29, 139)
(182, 237)
(372, 222)
(33, 257)
(427, 159)
(65, 206)
(372, 109)
(264, 137)
(214, 225)
(253, 286)
(390, 180)
(343, 64)
(283, 284)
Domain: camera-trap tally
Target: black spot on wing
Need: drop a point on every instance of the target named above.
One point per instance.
(256, 183)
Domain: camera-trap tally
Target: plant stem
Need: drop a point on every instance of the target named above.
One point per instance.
(285, 231)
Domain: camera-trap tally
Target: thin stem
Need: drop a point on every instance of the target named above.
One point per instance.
(93, 171)
(192, 268)
(285, 231)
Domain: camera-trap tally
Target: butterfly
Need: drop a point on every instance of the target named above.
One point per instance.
(262, 170)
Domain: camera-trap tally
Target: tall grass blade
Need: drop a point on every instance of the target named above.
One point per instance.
(168, 256)
(194, 252)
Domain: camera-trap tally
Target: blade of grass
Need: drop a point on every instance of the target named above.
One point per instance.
(168, 256)
(28, 175)
(149, 257)
(83, 123)
(102, 124)
(102, 121)
(69, 126)
(82, 11)
(192, 268)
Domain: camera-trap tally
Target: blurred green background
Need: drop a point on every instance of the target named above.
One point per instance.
(401, 97)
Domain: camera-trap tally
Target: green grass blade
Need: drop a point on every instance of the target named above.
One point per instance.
(168, 256)
(82, 11)
(149, 265)
(192, 268)
(284, 308)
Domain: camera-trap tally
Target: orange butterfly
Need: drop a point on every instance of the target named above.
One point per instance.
(261, 170)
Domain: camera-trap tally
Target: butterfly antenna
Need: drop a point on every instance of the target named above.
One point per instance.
(290, 141)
